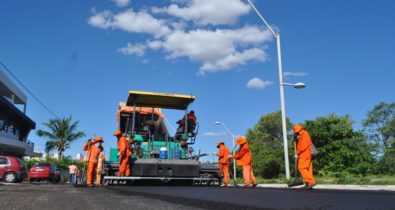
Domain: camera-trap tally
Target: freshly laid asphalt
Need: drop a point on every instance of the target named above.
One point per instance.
(49, 196)
(264, 198)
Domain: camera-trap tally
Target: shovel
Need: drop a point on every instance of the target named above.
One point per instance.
(296, 181)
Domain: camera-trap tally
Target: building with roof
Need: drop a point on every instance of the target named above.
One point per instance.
(15, 125)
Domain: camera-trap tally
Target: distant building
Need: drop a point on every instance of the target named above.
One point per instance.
(37, 155)
(15, 126)
(79, 157)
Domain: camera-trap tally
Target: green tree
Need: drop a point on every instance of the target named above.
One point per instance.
(380, 128)
(61, 133)
(341, 149)
(266, 144)
(380, 124)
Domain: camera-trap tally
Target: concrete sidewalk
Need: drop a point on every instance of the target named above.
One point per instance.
(337, 187)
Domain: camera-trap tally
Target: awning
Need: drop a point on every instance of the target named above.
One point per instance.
(159, 100)
(141, 110)
(16, 114)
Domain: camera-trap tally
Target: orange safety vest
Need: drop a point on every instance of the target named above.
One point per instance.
(123, 147)
(243, 157)
(93, 153)
(303, 147)
(223, 154)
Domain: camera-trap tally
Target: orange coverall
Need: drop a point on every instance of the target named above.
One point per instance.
(223, 162)
(305, 163)
(99, 170)
(243, 158)
(124, 157)
(92, 158)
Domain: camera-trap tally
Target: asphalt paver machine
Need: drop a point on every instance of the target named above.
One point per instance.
(157, 155)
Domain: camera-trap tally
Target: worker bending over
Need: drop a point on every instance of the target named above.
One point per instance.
(124, 154)
(303, 150)
(243, 158)
(94, 148)
(223, 161)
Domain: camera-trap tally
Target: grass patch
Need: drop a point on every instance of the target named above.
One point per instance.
(349, 179)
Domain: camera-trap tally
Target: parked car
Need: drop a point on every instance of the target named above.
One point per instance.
(12, 169)
(44, 171)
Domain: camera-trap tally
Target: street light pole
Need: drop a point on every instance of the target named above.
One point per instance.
(233, 145)
(280, 74)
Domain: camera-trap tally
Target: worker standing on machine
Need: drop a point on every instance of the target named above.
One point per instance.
(191, 122)
(124, 154)
(303, 150)
(223, 161)
(243, 158)
(94, 148)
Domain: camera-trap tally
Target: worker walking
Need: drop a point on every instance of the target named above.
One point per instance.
(303, 150)
(223, 161)
(243, 158)
(124, 154)
(94, 148)
(99, 169)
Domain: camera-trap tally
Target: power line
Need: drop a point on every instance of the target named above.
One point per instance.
(27, 90)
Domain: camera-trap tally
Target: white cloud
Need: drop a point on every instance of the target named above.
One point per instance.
(133, 49)
(215, 134)
(121, 3)
(256, 83)
(101, 20)
(294, 74)
(233, 60)
(130, 21)
(154, 44)
(217, 50)
(204, 12)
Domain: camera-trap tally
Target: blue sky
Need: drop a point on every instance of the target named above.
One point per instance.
(82, 57)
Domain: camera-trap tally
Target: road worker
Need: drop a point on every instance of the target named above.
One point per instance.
(191, 118)
(303, 154)
(94, 148)
(223, 161)
(243, 158)
(124, 154)
(99, 169)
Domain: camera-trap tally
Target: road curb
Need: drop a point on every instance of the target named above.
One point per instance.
(337, 187)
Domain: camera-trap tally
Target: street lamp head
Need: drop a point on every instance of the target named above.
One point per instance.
(299, 85)
(217, 122)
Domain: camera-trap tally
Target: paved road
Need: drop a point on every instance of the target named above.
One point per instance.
(49, 196)
(239, 198)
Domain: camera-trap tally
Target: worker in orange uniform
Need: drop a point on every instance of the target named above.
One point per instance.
(223, 161)
(303, 154)
(99, 169)
(243, 158)
(94, 148)
(124, 154)
(191, 117)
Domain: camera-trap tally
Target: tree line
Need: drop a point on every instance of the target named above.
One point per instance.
(342, 149)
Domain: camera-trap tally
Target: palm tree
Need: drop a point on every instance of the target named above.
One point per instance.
(61, 133)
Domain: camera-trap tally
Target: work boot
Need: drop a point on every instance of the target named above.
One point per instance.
(310, 186)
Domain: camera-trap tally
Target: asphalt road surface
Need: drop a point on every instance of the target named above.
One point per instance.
(261, 198)
(48, 196)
